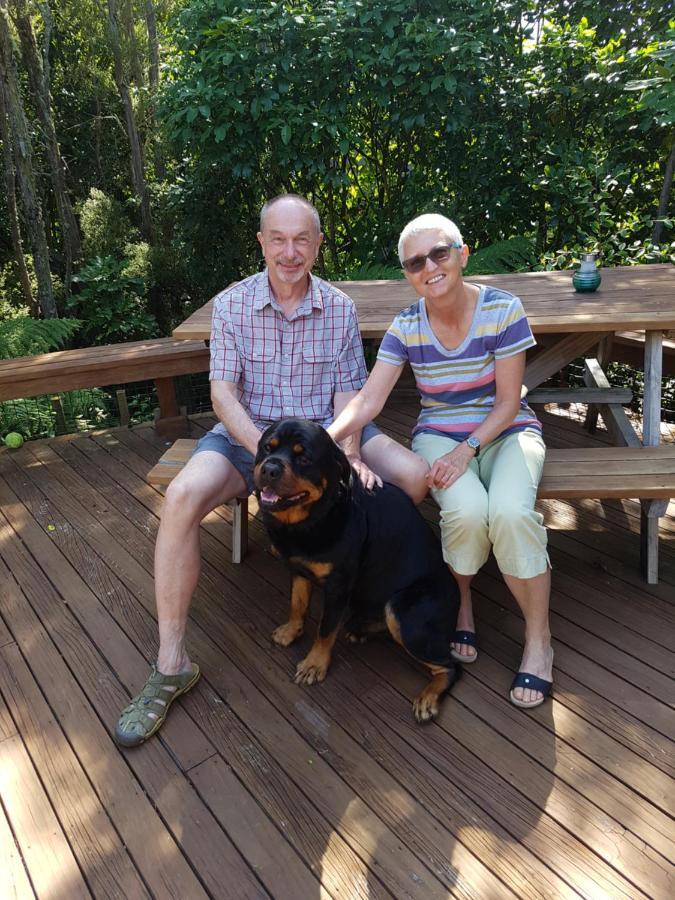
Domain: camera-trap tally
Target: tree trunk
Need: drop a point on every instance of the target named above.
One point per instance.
(23, 162)
(153, 80)
(665, 195)
(132, 44)
(136, 152)
(40, 87)
(10, 190)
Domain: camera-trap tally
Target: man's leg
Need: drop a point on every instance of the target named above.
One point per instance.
(208, 480)
(395, 463)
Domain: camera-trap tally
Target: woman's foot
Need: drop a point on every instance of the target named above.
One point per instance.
(463, 649)
(537, 662)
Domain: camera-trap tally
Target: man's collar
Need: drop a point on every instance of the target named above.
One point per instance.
(311, 299)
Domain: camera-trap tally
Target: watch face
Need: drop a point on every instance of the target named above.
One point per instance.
(474, 443)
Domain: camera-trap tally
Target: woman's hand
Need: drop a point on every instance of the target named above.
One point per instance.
(449, 467)
(367, 477)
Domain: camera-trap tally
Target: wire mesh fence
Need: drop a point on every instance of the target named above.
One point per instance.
(71, 412)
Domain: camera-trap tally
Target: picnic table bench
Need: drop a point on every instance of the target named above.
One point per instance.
(569, 474)
(160, 360)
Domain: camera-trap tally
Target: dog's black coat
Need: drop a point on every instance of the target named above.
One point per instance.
(371, 552)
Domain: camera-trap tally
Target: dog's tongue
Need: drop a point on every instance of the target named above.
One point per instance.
(267, 495)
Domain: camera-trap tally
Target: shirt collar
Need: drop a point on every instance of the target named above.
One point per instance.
(311, 300)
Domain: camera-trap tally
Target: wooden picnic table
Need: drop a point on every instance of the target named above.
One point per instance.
(630, 298)
(570, 324)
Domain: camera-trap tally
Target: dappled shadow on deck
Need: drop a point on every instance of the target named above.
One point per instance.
(258, 787)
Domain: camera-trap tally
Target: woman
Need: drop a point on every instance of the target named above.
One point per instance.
(466, 345)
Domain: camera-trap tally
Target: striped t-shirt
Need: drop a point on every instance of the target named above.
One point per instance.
(457, 387)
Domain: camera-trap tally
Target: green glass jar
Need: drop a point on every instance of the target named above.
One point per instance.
(587, 277)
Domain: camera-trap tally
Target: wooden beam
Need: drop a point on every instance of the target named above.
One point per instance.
(603, 356)
(555, 358)
(580, 395)
(613, 415)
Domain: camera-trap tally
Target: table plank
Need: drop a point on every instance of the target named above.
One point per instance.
(629, 298)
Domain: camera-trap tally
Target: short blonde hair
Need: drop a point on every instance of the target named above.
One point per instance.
(429, 222)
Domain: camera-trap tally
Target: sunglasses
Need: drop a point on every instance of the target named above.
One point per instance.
(437, 255)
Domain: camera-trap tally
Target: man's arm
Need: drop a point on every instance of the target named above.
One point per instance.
(232, 414)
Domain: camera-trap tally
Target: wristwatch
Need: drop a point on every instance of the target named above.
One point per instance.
(474, 443)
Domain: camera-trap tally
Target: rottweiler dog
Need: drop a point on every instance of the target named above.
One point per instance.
(373, 554)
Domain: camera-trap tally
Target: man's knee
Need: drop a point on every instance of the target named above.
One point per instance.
(191, 496)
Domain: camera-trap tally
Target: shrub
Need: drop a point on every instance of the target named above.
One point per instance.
(110, 303)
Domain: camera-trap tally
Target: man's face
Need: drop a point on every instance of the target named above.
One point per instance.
(289, 241)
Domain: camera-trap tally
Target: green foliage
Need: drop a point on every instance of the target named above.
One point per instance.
(110, 303)
(25, 336)
(106, 228)
(513, 255)
(35, 417)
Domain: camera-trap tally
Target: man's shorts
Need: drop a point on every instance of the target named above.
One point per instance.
(240, 457)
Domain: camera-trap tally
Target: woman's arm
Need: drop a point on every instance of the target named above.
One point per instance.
(368, 402)
(509, 374)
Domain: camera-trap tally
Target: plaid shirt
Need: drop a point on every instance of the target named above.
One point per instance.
(286, 367)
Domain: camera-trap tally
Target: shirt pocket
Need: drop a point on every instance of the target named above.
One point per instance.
(259, 373)
(318, 370)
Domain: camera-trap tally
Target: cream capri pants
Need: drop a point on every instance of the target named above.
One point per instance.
(492, 505)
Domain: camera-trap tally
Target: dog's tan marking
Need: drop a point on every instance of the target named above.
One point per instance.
(392, 624)
(318, 569)
(425, 705)
(274, 443)
(298, 449)
(301, 591)
(298, 513)
(314, 666)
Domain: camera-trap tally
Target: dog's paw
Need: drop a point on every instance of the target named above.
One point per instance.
(285, 634)
(354, 638)
(310, 671)
(425, 707)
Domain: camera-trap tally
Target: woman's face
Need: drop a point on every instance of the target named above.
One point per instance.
(435, 279)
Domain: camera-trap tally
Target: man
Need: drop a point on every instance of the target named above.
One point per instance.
(283, 343)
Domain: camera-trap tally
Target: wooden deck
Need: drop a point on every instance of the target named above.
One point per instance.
(260, 788)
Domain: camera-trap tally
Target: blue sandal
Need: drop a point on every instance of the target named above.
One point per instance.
(468, 638)
(525, 680)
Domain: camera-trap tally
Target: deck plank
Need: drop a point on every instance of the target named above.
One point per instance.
(95, 842)
(156, 849)
(49, 860)
(330, 791)
(16, 885)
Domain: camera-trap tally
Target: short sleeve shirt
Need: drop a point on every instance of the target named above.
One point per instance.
(286, 367)
(457, 387)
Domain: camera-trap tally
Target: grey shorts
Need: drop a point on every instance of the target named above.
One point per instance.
(240, 457)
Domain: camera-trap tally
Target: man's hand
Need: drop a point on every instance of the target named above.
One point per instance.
(449, 467)
(367, 477)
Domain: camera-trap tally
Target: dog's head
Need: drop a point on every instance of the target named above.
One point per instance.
(297, 466)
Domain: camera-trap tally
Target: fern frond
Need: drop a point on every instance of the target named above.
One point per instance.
(25, 336)
(512, 255)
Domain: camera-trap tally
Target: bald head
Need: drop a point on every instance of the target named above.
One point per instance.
(291, 202)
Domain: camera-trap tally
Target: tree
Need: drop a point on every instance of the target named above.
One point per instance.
(136, 151)
(38, 76)
(22, 153)
(10, 197)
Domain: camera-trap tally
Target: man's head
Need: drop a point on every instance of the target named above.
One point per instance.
(290, 237)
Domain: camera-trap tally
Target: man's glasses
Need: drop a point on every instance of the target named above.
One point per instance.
(438, 255)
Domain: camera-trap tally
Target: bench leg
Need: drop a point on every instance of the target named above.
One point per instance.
(239, 529)
(650, 513)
